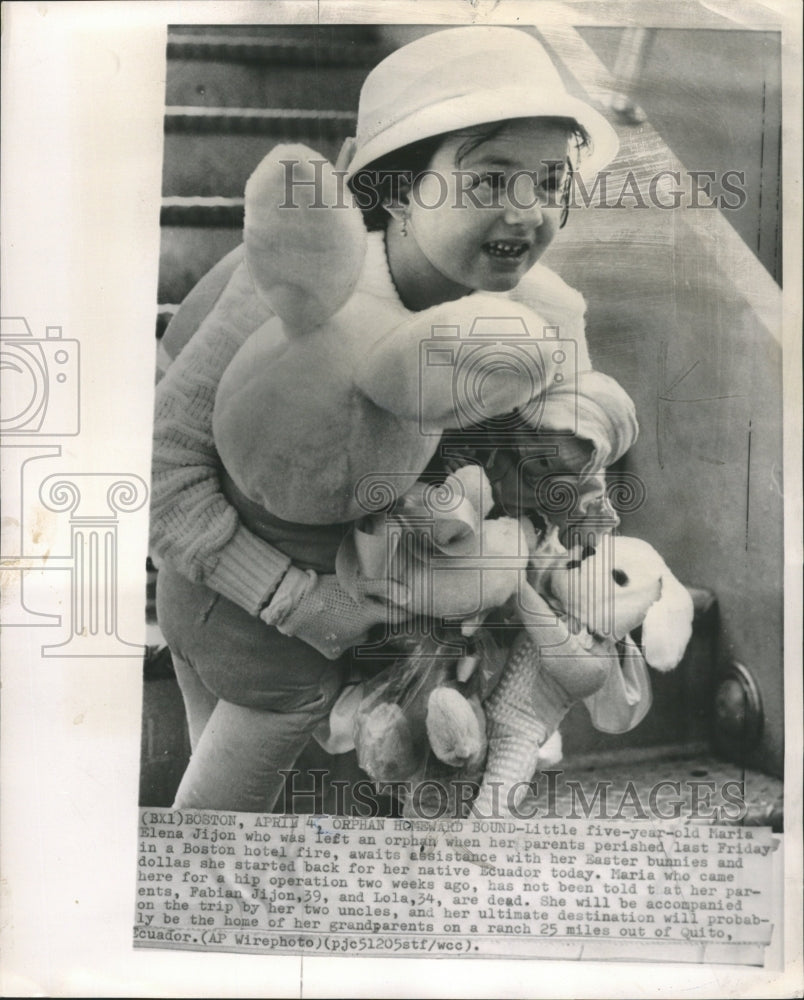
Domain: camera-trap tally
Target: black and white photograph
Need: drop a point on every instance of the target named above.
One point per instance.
(402, 529)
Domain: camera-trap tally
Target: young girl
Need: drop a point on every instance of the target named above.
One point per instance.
(465, 147)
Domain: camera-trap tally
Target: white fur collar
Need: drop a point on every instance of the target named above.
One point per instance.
(541, 288)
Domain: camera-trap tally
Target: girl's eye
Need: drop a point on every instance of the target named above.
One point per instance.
(494, 181)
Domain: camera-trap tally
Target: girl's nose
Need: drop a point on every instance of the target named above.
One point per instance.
(523, 205)
(532, 215)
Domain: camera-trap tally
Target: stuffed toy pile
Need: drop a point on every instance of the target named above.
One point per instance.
(428, 704)
(416, 725)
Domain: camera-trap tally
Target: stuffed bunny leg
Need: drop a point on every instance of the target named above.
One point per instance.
(535, 692)
(514, 733)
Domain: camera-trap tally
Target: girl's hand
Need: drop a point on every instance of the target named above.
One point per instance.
(317, 610)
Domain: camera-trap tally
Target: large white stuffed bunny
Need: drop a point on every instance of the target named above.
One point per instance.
(337, 386)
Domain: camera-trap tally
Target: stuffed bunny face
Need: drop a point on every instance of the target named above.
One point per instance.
(621, 584)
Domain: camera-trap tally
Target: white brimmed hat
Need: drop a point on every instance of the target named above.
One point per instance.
(460, 77)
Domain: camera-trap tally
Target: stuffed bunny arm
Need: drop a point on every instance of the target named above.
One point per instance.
(459, 378)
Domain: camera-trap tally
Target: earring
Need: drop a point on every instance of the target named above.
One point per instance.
(404, 229)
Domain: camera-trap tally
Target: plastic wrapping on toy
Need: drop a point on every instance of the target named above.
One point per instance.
(418, 721)
(626, 695)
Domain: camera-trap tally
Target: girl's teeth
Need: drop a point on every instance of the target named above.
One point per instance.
(501, 249)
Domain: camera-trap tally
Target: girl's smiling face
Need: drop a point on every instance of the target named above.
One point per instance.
(483, 213)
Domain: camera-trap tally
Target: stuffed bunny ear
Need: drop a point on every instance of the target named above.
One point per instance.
(304, 236)
(667, 627)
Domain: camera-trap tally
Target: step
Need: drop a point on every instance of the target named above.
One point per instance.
(242, 47)
(281, 123)
(218, 83)
(312, 34)
(212, 164)
(214, 213)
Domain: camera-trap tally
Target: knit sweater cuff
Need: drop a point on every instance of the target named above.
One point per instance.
(248, 571)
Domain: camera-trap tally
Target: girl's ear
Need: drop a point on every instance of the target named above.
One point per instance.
(397, 213)
(667, 627)
(397, 203)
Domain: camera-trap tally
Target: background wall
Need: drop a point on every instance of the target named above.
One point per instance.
(682, 335)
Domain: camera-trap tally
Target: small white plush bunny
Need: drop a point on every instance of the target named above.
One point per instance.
(620, 585)
(576, 644)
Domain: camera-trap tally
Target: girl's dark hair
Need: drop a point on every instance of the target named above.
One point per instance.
(378, 183)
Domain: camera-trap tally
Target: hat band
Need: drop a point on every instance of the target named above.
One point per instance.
(473, 109)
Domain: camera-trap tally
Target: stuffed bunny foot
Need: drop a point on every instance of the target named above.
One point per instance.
(503, 788)
(522, 712)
